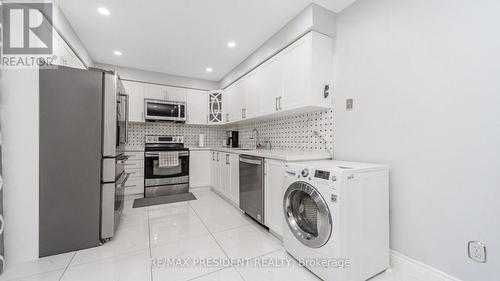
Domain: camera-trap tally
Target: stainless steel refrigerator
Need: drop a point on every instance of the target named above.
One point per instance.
(83, 129)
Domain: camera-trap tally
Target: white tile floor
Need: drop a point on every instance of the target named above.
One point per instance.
(205, 228)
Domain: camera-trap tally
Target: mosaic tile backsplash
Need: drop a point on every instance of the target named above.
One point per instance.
(214, 135)
(295, 132)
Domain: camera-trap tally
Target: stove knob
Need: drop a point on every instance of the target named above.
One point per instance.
(334, 178)
(305, 173)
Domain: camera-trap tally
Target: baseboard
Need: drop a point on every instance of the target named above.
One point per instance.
(413, 270)
(134, 190)
(225, 198)
(199, 188)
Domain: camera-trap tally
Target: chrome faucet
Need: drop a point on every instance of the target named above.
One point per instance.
(257, 141)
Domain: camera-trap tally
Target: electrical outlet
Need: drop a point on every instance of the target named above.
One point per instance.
(349, 104)
(477, 251)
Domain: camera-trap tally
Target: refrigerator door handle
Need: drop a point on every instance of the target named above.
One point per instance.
(126, 117)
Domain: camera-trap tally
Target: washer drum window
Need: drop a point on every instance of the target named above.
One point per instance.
(307, 214)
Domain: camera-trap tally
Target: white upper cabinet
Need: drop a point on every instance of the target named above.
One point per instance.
(176, 94)
(250, 94)
(197, 107)
(294, 80)
(135, 91)
(215, 107)
(155, 92)
(196, 100)
(233, 103)
(271, 85)
(161, 92)
(296, 60)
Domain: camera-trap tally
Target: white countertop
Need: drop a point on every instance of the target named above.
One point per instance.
(284, 155)
(134, 148)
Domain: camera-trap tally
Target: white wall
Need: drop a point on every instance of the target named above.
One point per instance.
(66, 31)
(19, 117)
(160, 78)
(425, 78)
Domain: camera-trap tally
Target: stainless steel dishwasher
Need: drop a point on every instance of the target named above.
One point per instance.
(252, 186)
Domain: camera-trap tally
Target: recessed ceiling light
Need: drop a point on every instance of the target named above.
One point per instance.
(231, 44)
(117, 53)
(103, 11)
(209, 69)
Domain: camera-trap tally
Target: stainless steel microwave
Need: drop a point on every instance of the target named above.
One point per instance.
(161, 110)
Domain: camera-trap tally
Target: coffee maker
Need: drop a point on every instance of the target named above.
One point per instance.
(233, 140)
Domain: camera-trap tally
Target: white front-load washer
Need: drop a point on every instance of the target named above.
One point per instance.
(336, 218)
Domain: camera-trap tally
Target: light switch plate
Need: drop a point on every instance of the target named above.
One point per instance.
(349, 104)
(477, 251)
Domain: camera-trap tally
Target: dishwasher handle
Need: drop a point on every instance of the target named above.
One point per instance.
(250, 161)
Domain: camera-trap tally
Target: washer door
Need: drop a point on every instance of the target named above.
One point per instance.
(307, 214)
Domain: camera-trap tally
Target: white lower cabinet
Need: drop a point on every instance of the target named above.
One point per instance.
(199, 175)
(234, 190)
(215, 170)
(226, 175)
(135, 167)
(273, 195)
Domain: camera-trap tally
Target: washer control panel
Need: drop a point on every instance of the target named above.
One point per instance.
(305, 173)
(325, 175)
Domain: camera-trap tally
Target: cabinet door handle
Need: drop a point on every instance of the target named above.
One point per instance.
(217, 156)
(213, 156)
(279, 101)
(276, 104)
(227, 159)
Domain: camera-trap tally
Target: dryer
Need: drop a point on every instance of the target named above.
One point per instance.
(336, 218)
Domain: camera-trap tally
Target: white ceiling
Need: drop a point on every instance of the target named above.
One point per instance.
(181, 37)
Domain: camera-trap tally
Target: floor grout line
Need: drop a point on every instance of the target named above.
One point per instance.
(205, 274)
(212, 234)
(232, 228)
(150, 247)
(67, 266)
(215, 239)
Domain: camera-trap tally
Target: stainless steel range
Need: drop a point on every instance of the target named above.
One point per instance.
(166, 166)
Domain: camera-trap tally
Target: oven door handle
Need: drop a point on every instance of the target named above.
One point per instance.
(153, 154)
